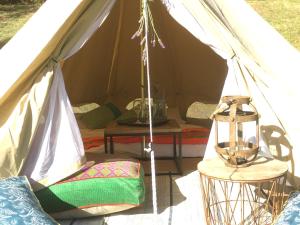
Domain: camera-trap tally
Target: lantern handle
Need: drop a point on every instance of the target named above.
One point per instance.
(218, 109)
(221, 107)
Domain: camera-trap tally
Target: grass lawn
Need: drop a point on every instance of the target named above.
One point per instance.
(284, 15)
(12, 18)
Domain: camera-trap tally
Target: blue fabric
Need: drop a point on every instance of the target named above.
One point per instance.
(18, 204)
(291, 212)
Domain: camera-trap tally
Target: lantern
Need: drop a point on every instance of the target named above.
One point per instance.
(237, 113)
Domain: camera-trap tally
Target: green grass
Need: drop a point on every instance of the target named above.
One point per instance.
(12, 18)
(283, 15)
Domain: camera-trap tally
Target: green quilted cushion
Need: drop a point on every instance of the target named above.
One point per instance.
(104, 188)
(101, 116)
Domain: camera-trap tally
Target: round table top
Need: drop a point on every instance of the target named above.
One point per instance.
(261, 169)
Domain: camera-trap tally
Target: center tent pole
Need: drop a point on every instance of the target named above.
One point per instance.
(115, 51)
(142, 85)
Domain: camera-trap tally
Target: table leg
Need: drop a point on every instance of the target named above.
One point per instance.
(180, 153)
(174, 147)
(111, 145)
(105, 144)
(143, 145)
(177, 158)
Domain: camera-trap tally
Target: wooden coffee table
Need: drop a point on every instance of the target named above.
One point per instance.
(171, 127)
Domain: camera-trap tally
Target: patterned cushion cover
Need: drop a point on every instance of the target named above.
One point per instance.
(18, 204)
(291, 212)
(104, 188)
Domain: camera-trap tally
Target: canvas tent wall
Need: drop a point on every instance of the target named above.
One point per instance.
(39, 136)
(186, 69)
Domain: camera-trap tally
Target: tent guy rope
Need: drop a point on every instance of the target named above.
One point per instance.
(153, 178)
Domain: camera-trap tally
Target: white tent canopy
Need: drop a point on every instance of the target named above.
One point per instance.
(39, 136)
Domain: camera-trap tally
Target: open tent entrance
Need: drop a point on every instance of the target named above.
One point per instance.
(86, 50)
(108, 66)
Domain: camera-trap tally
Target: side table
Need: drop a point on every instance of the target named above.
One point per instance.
(248, 195)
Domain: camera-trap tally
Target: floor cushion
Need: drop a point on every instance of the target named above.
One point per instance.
(19, 205)
(199, 113)
(291, 212)
(106, 187)
(98, 118)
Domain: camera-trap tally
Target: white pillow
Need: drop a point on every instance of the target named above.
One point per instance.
(84, 108)
(200, 110)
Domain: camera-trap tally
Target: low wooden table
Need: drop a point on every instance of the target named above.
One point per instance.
(171, 127)
(248, 195)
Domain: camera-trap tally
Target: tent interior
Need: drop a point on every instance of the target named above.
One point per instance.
(108, 67)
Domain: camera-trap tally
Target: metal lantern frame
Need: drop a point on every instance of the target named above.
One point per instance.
(236, 152)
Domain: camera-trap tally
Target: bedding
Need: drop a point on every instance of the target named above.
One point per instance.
(189, 136)
(85, 107)
(109, 186)
(199, 114)
(200, 110)
(194, 140)
(100, 117)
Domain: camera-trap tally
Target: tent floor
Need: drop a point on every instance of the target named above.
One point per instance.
(168, 165)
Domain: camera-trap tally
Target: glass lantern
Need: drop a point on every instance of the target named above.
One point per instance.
(158, 109)
(240, 147)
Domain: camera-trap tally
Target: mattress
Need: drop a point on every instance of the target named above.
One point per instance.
(163, 146)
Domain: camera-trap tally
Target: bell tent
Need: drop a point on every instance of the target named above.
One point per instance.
(78, 51)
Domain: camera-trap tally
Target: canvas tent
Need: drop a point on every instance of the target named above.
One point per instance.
(84, 47)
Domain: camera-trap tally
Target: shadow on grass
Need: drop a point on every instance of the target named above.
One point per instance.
(3, 42)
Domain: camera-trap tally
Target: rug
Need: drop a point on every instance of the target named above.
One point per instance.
(190, 136)
(179, 202)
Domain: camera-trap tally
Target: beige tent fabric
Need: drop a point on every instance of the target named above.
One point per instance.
(269, 64)
(21, 90)
(22, 93)
(255, 59)
(50, 28)
(180, 69)
(16, 133)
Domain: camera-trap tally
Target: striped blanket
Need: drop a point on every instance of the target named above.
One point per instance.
(189, 136)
